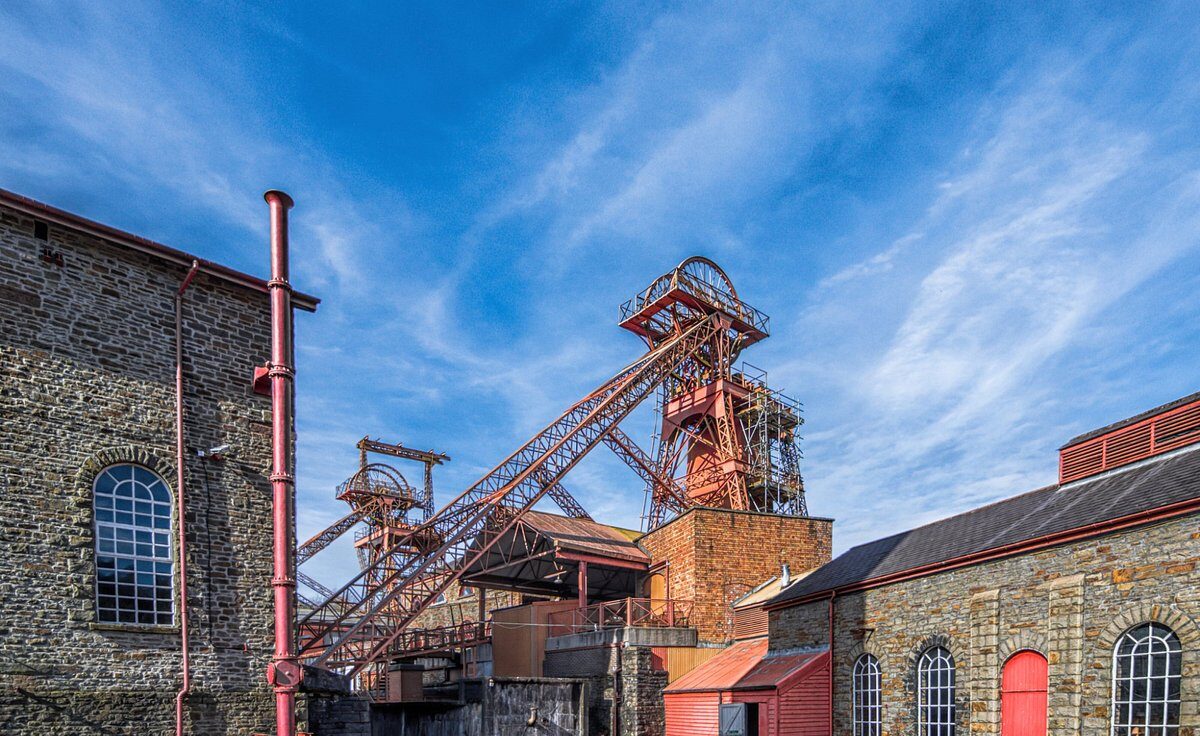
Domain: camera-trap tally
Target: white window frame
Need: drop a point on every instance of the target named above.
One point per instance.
(867, 696)
(936, 676)
(134, 555)
(1159, 648)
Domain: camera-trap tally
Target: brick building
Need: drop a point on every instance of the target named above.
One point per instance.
(90, 604)
(1073, 607)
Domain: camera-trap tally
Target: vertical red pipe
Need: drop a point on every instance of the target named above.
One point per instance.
(832, 597)
(285, 672)
(185, 664)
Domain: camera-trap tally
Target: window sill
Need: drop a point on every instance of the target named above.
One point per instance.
(134, 628)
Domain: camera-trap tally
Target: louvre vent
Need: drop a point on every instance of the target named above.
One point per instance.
(1169, 430)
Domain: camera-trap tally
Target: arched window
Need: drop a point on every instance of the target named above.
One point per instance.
(935, 693)
(868, 712)
(135, 576)
(1146, 682)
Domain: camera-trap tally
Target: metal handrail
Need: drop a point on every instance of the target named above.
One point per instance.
(624, 612)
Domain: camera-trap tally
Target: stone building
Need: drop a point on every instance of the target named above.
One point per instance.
(90, 575)
(1071, 608)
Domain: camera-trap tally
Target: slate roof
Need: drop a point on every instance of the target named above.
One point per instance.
(1145, 486)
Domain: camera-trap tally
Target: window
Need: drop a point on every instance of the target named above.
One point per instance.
(466, 592)
(1146, 682)
(935, 693)
(868, 713)
(135, 577)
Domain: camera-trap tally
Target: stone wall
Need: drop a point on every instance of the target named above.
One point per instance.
(86, 380)
(715, 556)
(1070, 603)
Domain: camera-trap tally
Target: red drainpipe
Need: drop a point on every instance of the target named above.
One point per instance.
(284, 673)
(832, 596)
(186, 687)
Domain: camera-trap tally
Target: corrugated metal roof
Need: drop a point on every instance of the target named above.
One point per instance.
(746, 665)
(774, 669)
(723, 671)
(586, 536)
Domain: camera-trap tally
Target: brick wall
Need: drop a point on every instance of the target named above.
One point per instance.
(716, 556)
(1071, 603)
(87, 379)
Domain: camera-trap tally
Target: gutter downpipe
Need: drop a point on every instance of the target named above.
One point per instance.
(186, 687)
(832, 596)
(284, 673)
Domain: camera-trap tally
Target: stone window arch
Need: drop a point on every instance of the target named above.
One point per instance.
(925, 725)
(83, 570)
(1169, 617)
(937, 691)
(1147, 681)
(867, 695)
(134, 560)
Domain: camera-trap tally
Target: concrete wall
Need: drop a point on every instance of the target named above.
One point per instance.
(498, 707)
(1070, 603)
(716, 556)
(87, 380)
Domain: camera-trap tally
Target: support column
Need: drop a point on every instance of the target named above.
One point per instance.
(583, 584)
(1066, 658)
(985, 663)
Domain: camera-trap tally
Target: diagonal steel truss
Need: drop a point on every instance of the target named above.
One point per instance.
(326, 537)
(565, 501)
(668, 490)
(366, 617)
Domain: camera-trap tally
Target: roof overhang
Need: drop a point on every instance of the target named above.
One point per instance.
(1109, 526)
(49, 213)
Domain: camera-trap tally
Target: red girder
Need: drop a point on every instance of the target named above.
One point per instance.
(642, 464)
(565, 501)
(325, 537)
(366, 628)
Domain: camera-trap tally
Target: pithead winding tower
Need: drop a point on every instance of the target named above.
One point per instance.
(725, 441)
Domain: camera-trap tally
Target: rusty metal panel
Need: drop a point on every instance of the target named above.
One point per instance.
(723, 671)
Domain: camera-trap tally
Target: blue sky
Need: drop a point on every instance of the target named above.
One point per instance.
(975, 228)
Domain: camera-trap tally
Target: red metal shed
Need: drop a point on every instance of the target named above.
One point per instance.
(787, 693)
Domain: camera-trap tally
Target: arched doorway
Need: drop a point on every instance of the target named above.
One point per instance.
(1023, 695)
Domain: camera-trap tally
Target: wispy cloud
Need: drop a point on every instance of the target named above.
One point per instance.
(959, 229)
(1023, 253)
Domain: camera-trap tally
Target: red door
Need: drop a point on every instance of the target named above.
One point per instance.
(1023, 695)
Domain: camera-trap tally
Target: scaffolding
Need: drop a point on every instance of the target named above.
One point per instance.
(771, 422)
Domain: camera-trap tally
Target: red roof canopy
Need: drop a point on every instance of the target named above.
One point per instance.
(749, 665)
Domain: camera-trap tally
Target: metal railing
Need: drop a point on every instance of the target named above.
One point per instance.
(646, 613)
(715, 297)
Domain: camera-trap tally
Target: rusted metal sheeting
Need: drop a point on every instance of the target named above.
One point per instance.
(722, 672)
(589, 537)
